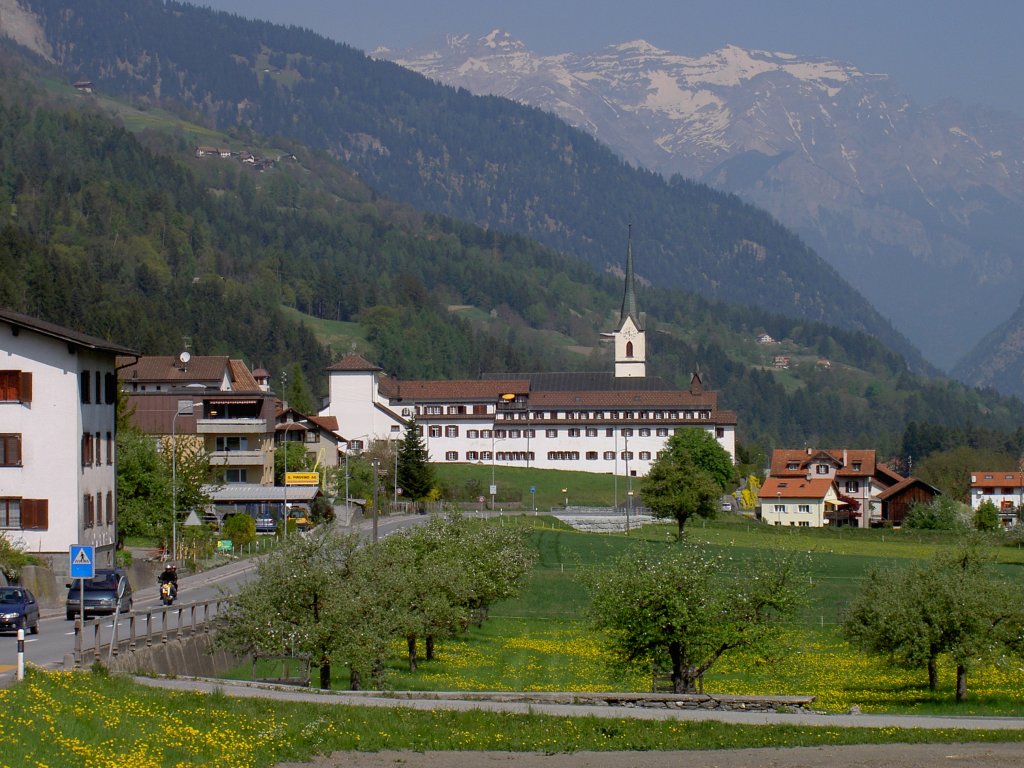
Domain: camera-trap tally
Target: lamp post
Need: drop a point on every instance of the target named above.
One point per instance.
(185, 408)
(566, 492)
(629, 507)
(347, 444)
(395, 503)
(494, 487)
(287, 427)
(376, 464)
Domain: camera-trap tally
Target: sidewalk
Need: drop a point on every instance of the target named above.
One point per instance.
(547, 703)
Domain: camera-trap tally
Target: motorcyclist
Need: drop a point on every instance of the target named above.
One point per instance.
(170, 576)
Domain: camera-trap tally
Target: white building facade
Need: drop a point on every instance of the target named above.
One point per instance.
(608, 422)
(58, 394)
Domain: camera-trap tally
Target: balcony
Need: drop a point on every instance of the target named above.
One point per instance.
(236, 459)
(231, 426)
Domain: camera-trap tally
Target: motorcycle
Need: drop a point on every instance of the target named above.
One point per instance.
(167, 592)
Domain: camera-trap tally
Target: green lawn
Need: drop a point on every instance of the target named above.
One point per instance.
(540, 640)
(514, 484)
(65, 719)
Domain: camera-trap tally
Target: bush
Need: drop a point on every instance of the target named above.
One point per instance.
(241, 529)
(943, 514)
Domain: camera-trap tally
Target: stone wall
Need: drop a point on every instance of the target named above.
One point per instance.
(194, 656)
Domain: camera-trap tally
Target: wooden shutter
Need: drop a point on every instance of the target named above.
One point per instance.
(25, 389)
(35, 514)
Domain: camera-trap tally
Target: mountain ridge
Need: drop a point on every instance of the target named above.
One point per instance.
(920, 208)
(484, 160)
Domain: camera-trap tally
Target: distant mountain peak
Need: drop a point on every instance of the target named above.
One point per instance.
(919, 208)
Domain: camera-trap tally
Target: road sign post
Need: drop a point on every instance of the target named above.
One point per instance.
(83, 566)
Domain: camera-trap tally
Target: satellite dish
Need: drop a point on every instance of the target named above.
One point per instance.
(184, 357)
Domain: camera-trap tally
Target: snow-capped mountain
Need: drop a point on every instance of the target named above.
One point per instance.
(922, 209)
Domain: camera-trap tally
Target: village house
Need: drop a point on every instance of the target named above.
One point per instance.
(213, 402)
(58, 395)
(804, 502)
(861, 483)
(1004, 489)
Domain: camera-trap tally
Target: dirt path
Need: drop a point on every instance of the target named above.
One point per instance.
(859, 756)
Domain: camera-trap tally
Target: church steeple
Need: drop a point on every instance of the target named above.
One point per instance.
(630, 344)
(629, 296)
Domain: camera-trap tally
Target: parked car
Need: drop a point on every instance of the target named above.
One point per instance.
(101, 593)
(265, 524)
(18, 610)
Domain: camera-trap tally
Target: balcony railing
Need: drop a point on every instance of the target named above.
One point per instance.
(231, 426)
(236, 458)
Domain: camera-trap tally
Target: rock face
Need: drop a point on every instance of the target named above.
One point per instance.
(921, 209)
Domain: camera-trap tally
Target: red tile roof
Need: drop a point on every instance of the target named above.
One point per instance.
(625, 399)
(997, 479)
(795, 488)
(783, 457)
(353, 362)
(465, 389)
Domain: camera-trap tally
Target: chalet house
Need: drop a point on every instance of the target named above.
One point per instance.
(898, 499)
(58, 393)
(804, 502)
(857, 474)
(764, 338)
(211, 401)
(1004, 489)
(608, 422)
(318, 434)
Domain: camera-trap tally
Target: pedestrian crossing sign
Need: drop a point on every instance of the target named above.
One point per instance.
(83, 561)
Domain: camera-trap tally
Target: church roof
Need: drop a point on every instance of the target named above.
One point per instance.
(629, 306)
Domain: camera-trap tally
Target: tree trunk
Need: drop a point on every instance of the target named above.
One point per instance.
(430, 648)
(681, 521)
(378, 673)
(355, 681)
(961, 683)
(683, 680)
(933, 674)
(325, 673)
(411, 643)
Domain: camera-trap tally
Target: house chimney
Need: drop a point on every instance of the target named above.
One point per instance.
(844, 457)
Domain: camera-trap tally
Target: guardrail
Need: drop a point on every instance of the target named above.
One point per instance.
(143, 629)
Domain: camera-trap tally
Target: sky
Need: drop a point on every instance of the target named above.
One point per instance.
(932, 49)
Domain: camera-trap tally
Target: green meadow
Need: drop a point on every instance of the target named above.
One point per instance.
(541, 640)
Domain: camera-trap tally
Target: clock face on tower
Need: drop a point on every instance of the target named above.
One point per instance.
(629, 333)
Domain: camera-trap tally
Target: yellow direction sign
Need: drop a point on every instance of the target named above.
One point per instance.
(302, 478)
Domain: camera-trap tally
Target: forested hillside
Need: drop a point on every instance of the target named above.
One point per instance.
(130, 236)
(484, 160)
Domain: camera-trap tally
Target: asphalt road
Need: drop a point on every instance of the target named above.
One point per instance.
(56, 638)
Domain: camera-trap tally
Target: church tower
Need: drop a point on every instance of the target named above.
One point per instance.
(630, 340)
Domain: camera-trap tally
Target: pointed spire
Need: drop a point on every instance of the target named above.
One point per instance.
(629, 296)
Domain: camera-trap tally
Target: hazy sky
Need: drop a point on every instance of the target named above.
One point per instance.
(969, 49)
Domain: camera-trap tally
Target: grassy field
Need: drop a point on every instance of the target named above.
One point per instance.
(514, 483)
(91, 720)
(540, 641)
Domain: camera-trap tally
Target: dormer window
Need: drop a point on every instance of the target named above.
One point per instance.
(856, 466)
(792, 466)
(821, 469)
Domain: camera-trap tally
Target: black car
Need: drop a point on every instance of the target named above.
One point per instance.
(101, 593)
(18, 610)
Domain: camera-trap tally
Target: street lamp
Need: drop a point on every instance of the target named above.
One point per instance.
(494, 487)
(287, 426)
(629, 507)
(185, 408)
(348, 443)
(376, 464)
(566, 492)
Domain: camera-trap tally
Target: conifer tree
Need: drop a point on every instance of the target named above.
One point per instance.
(415, 475)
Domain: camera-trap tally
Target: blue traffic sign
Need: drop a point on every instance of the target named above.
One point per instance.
(533, 489)
(83, 561)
